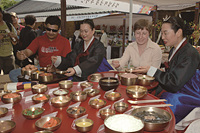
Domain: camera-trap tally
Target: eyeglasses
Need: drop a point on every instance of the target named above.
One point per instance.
(53, 30)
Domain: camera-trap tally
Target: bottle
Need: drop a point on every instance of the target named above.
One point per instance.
(13, 39)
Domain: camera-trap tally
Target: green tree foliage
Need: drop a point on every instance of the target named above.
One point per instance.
(4, 4)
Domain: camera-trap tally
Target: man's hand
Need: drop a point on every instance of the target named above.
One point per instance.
(70, 72)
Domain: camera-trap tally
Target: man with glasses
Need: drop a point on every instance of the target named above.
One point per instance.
(50, 44)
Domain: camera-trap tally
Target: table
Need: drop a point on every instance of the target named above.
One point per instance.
(28, 126)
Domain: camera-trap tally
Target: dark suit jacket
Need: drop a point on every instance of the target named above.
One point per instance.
(181, 69)
(88, 64)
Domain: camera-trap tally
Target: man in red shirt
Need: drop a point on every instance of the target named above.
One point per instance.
(50, 44)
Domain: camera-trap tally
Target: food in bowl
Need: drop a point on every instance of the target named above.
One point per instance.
(108, 83)
(28, 69)
(155, 119)
(145, 80)
(45, 77)
(123, 123)
(3, 111)
(92, 92)
(39, 88)
(32, 113)
(84, 125)
(76, 112)
(86, 85)
(48, 123)
(113, 96)
(14, 97)
(96, 77)
(60, 92)
(97, 103)
(7, 126)
(41, 98)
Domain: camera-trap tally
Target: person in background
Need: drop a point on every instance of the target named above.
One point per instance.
(143, 51)
(16, 24)
(104, 37)
(8, 38)
(86, 57)
(180, 81)
(50, 44)
(27, 35)
(40, 30)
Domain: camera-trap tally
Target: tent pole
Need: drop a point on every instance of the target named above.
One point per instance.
(130, 21)
(63, 18)
(124, 32)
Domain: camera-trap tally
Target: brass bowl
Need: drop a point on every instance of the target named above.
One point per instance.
(39, 88)
(129, 70)
(92, 92)
(61, 71)
(136, 91)
(14, 97)
(2, 92)
(3, 111)
(60, 101)
(158, 123)
(60, 92)
(27, 72)
(7, 126)
(66, 84)
(108, 83)
(95, 77)
(86, 85)
(145, 80)
(45, 77)
(97, 103)
(121, 107)
(41, 123)
(35, 75)
(75, 112)
(78, 96)
(113, 96)
(104, 113)
(128, 79)
(44, 131)
(123, 123)
(33, 113)
(41, 98)
(84, 125)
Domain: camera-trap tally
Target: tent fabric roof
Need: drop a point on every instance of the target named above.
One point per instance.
(43, 9)
(165, 4)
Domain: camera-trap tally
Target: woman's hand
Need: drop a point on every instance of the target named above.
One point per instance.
(115, 63)
(142, 69)
(70, 72)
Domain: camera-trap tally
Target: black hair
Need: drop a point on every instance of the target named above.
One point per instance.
(7, 18)
(1, 10)
(178, 23)
(53, 20)
(88, 21)
(30, 19)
